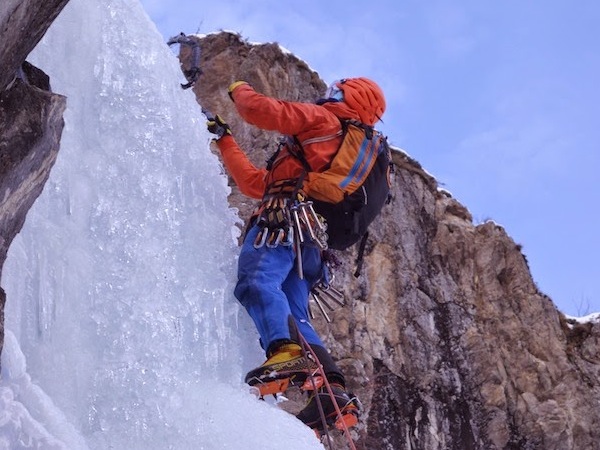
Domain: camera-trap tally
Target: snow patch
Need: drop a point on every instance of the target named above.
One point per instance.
(593, 318)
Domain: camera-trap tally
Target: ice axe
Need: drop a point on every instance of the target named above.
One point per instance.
(194, 71)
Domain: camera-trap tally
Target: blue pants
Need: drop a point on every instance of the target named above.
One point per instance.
(269, 288)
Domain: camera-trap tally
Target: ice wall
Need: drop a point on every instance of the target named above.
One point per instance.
(122, 332)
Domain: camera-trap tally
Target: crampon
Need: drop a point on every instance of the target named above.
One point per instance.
(280, 382)
(329, 408)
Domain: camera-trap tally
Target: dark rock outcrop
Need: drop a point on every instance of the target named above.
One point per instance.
(31, 120)
(446, 340)
(22, 24)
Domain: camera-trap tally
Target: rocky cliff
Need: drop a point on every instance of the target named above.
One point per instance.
(30, 118)
(446, 339)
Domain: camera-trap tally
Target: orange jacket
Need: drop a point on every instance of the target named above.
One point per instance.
(317, 127)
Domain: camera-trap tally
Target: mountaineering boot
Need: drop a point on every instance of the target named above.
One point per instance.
(287, 364)
(346, 402)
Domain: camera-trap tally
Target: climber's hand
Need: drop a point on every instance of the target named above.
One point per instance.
(232, 88)
(216, 125)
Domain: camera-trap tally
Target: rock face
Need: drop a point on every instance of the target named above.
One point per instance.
(30, 118)
(22, 24)
(446, 339)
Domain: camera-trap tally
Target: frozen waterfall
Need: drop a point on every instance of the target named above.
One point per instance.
(122, 332)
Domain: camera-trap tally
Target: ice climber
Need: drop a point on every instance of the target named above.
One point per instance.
(274, 275)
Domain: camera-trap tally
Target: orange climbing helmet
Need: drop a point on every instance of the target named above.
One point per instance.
(362, 95)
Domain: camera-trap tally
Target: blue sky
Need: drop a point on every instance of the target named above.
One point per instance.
(498, 100)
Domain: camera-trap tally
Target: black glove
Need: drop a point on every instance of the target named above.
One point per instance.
(216, 125)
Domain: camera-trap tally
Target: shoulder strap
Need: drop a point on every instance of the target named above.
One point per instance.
(275, 154)
(361, 254)
(369, 130)
(297, 151)
(295, 146)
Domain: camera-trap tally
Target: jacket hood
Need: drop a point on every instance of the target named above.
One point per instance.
(342, 110)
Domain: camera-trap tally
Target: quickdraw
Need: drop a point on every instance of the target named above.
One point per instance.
(275, 223)
(306, 219)
(322, 295)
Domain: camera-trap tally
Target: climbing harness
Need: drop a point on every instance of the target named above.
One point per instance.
(286, 218)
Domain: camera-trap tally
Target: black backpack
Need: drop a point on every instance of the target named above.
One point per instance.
(353, 188)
